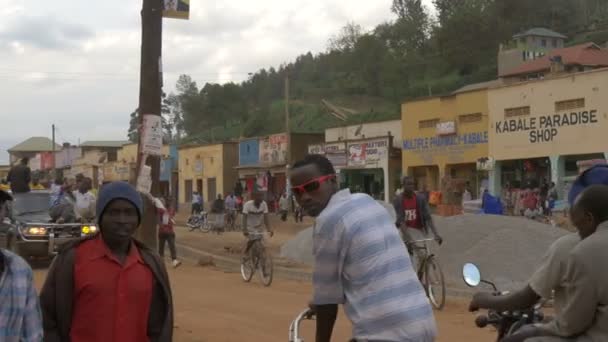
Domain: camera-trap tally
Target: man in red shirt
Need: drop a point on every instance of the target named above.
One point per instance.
(413, 214)
(109, 287)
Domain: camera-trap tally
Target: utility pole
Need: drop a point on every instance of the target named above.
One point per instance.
(54, 158)
(288, 133)
(150, 79)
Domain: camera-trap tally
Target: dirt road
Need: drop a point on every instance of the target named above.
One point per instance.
(215, 306)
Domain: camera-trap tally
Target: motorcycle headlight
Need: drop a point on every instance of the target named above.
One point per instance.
(36, 231)
(89, 229)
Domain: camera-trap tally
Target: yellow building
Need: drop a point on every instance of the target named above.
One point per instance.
(128, 153)
(444, 138)
(208, 169)
(540, 130)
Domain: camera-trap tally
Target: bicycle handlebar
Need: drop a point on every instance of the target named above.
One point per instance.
(294, 328)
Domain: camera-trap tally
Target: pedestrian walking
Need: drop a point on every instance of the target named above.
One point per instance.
(166, 233)
(20, 176)
(109, 287)
(284, 206)
(359, 261)
(20, 317)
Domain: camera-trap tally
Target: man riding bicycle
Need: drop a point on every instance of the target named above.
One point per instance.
(414, 218)
(255, 214)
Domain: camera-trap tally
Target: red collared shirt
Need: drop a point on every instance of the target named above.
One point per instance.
(111, 300)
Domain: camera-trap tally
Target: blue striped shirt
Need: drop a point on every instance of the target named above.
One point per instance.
(20, 317)
(361, 262)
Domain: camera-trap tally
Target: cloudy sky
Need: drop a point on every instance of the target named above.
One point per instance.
(75, 63)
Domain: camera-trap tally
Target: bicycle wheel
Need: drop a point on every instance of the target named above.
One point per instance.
(247, 267)
(434, 282)
(205, 226)
(265, 267)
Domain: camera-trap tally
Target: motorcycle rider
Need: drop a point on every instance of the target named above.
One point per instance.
(549, 278)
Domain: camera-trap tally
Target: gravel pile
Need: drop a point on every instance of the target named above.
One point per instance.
(506, 249)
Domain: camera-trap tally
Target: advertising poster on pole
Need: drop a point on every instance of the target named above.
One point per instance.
(152, 135)
(176, 9)
(144, 181)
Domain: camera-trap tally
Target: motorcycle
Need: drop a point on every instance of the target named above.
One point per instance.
(506, 322)
(294, 328)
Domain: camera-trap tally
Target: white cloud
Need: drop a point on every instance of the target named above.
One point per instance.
(76, 63)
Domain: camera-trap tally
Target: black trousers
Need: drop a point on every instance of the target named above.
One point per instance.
(169, 238)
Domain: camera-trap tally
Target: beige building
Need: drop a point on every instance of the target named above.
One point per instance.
(208, 169)
(541, 129)
(367, 157)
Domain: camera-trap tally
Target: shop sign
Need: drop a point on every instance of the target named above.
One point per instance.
(453, 147)
(273, 149)
(335, 147)
(367, 152)
(198, 166)
(485, 164)
(176, 9)
(446, 128)
(316, 149)
(544, 129)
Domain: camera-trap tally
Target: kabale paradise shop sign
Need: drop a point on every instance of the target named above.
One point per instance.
(545, 128)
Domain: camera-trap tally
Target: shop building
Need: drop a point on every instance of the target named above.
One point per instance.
(263, 161)
(366, 157)
(207, 169)
(445, 139)
(546, 129)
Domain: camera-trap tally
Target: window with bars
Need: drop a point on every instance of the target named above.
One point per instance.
(465, 118)
(569, 104)
(432, 123)
(517, 111)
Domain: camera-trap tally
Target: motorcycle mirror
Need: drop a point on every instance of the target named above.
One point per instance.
(471, 274)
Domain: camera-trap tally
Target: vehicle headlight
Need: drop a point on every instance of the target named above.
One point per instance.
(36, 231)
(89, 229)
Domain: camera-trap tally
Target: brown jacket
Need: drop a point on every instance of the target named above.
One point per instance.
(57, 296)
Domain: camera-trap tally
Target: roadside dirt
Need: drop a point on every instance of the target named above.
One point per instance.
(214, 306)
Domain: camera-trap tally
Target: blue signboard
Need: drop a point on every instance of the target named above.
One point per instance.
(249, 152)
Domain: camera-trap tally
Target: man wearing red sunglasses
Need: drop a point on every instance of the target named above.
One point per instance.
(360, 262)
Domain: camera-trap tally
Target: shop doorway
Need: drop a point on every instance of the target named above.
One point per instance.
(369, 181)
(211, 189)
(188, 190)
(525, 173)
(426, 177)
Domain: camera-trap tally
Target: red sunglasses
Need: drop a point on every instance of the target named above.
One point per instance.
(311, 185)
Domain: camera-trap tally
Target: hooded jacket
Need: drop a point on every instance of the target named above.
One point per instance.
(57, 295)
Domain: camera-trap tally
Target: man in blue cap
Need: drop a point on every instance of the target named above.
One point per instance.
(549, 279)
(109, 287)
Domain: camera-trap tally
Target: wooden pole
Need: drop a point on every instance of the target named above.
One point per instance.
(150, 82)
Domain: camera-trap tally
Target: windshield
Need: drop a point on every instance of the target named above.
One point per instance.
(31, 202)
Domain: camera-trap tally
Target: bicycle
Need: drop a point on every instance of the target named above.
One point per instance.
(429, 272)
(231, 220)
(199, 222)
(258, 260)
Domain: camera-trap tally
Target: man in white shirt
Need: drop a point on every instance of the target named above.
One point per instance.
(255, 214)
(85, 201)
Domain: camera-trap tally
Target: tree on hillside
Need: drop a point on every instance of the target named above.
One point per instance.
(347, 38)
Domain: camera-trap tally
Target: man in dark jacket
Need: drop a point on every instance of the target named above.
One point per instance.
(20, 177)
(413, 213)
(110, 287)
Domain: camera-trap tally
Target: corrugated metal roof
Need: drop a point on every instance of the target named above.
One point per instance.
(588, 54)
(107, 143)
(540, 31)
(477, 86)
(35, 144)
